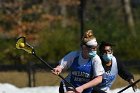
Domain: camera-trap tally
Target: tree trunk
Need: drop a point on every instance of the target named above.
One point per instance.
(64, 15)
(129, 17)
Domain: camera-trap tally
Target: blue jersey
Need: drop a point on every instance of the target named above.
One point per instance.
(81, 74)
(81, 70)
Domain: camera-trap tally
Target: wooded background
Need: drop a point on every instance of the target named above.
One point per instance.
(53, 28)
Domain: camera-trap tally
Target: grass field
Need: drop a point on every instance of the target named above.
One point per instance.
(20, 79)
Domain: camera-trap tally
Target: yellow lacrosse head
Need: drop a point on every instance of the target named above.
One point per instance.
(21, 44)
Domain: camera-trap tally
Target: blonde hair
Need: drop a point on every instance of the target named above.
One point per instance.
(88, 35)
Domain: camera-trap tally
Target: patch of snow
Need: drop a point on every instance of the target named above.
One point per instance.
(9, 88)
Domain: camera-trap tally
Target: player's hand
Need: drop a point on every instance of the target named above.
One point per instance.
(134, 86)
(79, 89)
(57, 70)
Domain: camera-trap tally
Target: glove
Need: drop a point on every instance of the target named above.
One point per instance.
(134, 86)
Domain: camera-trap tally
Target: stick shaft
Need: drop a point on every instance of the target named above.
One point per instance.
(51, 68)
(44, 62)
(129, 86)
